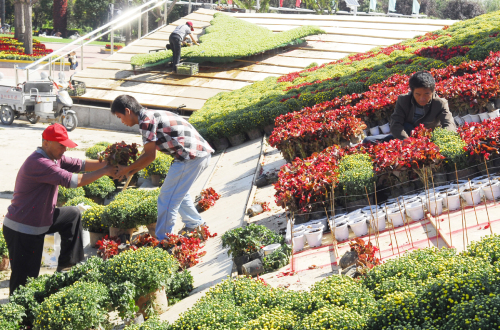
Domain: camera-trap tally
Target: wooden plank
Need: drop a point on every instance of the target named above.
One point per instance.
(103, 74)
(195, 16)
(301, 53)
(134, 50)
(342, 24)
(119, 57)
(111, 65)
(159, 43)
(336, 47)
(375, 19)
(355, 32)
(162, 78)
(292, 62)
(358, 40)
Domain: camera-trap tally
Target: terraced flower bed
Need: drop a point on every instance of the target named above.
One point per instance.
(258, 105)
(227, 39)
(12, 49)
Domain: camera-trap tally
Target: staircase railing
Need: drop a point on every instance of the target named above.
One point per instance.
(58, 57)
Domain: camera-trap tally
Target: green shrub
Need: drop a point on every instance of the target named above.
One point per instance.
(11, 316)
(356, 173)
(332, 317)
(65, 194)
(159, 166)
(120, 212)
(488, 248)
(92, 220)
(93, 152)
(249, 239)
(4, 251)
(451, 146)
(80, 199)
(278, 259)
(30, 296)
(101, 187)
(149, 269)
(180, 286)
(80, 306)
(149, 324)
(146, 211)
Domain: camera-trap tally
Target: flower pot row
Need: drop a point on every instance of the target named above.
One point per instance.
(115, 232)
(235, 140)
(477, 118)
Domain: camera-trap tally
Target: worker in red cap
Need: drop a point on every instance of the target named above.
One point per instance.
(33, 212)
(176, 38)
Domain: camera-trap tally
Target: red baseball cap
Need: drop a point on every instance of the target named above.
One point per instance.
(190, 24)
(58, 133)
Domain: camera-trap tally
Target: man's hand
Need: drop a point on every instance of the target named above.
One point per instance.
(120, 171)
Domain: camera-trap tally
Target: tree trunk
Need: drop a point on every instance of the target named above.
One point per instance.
(171, 7)
(158, 14)
(145, 24)
(28, 28)
(60, 16)
(18, 21)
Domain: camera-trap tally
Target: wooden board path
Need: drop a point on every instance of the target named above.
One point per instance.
(158, 88)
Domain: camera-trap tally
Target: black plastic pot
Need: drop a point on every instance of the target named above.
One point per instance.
(240, 261)
(257, 255)
(253, 268)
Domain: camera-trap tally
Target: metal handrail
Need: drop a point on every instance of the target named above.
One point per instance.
(125, 18)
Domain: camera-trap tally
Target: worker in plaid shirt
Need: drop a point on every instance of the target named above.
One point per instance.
(173, 135)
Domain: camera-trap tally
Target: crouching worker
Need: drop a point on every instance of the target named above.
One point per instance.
(420, 106)
(172, 135)
(33, 212)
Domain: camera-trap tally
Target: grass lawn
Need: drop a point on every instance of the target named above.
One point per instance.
(64, 41)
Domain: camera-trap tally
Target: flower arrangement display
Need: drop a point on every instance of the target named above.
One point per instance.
(115, 47)
(482, 139)
(65, 194)
(258, 105)
(92, 220)
(208, 199)
(249, 239)
(12, 49)
(100, 188)
(159, 166)
(442, 53)
(119, 154)
(4, 252)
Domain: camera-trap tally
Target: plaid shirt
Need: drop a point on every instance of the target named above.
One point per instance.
(172, 134)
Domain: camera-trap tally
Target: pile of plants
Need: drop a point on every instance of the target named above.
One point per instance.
(252, 238)
(12, 49)
(424, 289)
(227, 39)
(119, 154)
(208, 199)
(258, 105)
(83, 297)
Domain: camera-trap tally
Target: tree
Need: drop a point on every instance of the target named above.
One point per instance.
(18, 20)
(90, 13)
(42, 13)
(462, 9)
(28, 27)
(60, 16)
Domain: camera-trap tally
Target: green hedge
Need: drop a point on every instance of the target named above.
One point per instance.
(229, 38)
(257, 105)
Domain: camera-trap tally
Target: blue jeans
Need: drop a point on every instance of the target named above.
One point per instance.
(174, 196)
(408, 127)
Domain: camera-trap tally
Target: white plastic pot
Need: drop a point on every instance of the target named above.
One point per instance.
(475, 118)
(435, 205)
(385, 128)
(415, 210)
(374, 131)
(270, 248)
(459, 120)
(323, 222)
(495, 187)
(467, 119)
(314, 237)
(395, 216)
(341, 231)
(378, 221)
(374, 208)
(359, 228)
(356, 219)
(299, 240)
(452, 201)
(484, 116)
(494, 113)
(472, 197)
(298, 228)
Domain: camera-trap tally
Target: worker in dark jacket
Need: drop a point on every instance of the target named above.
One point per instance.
(177, 37)
(420, 106)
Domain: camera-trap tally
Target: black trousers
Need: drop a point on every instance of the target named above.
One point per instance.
(25, 251)
(175, 43)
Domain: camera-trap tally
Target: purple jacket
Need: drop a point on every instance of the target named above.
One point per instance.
(35, 194)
